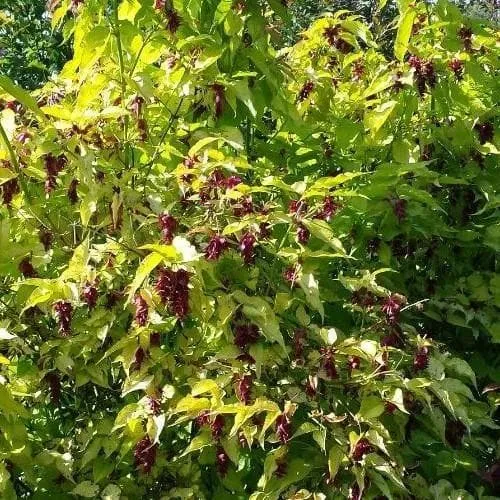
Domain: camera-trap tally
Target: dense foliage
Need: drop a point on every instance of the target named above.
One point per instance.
(30, 52)
(229, 271)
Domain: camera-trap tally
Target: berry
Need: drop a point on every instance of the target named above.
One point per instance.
(246, 335)
(141, 310)
(217, 426)
(168, 226)
(361, 448)
(222, 461)
(305, 91)
(26, 268)
(145, 454)
(421, 359)
(485, 131)
(90, 294)
(173, 21)
(247, 247)
(244, 389)
(219, 92)
(283, 428)
(391, 307)
(64, 311)
(216, 247)
(303, 234)
(457, 67)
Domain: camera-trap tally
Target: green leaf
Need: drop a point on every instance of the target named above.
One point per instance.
(404, 33)
(374, 120)
(311, 290)
(371, 407)
(222, 10)
(322, 230)
(22, 96)
(335, 457)
(86, 489)
(149, 263)
(6, 174)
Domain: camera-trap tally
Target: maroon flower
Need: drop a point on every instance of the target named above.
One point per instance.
(142, 127)
(141, 310)
(457, 67)
(358, 70)
(232, 181)
(283, 428)
(90, 294)
(64, 312)
(247, 247)
(139, 357)
(311, 389)
(168, 226)
(54, 383)
(485, 131)
(173, 21)
(455, 432)
(299, 340)
(219, 92)
(173, 289)
(264, 230)
(361, 448)
(421, 359)
(355, 492)
(244, 207)
(244, 389)
(391, 340)
(160, 4)
(217, 426)
(305, 91)
(154, 405)
(390, 407)
(136, 105)
(9, 190)
(203, 419)
(328, 210)
(245, 335)
(364, 298)
(291, 275)
(465, 35)
(297, 207)
(331, 33)
(26, 268)
(217, 179)
(145, 454)
(328, 356)
(155, 339)
(53, 166)
(191, 161)
(215, 247)
(303, 234)
(399, 208)
(353, 363)
(391, 308)
(46, 238)
(72, 193)
(222, 461)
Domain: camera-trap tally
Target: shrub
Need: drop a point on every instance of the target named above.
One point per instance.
(234, 272)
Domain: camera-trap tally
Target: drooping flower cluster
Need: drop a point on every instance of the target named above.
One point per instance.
(64, 313)
(54, 383)
(219, 92)
(9, 190)
(90, 294)
(303, 234)
(291, 275)
(332, 35)
(485, 131)
(247, 247)
(283, 428)
(173, 20)
(457, 66)
(421, 359)
(399, 207)
(72, 192)
(244, 385)
(424, 73)
(297, 208)
(391, 307)
(217, 427)
(139, 357)
(53, 166)
(305, 91)
(145, 454)
(245, 335)
(222, 461)
(465, 34)
(328, 210)
(216, 247)
(141, 310)
(173, 289)
(168, 225)
(46, 238)
(328, 356)
(26, 268)
(361, 448)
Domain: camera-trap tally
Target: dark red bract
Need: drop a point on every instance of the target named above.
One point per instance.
(244, 388)
(217, 427)
(457, 67)
(64, 312)
(485, 131)
(291, 275)
(219, 92)
(173, 289)
(247, 247)
(9, 190)
(303, 235)
(328, 210)
(328, 355)
(305, 91)
(141, 310)
(246, 335)
(90, 294)
(421, 359)
(391, 307)
(72, 192)
(26, 268)
(216, 247)
(283, 428)
(173, 21)
(222, 461)
(361, 448)
(145, 454)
